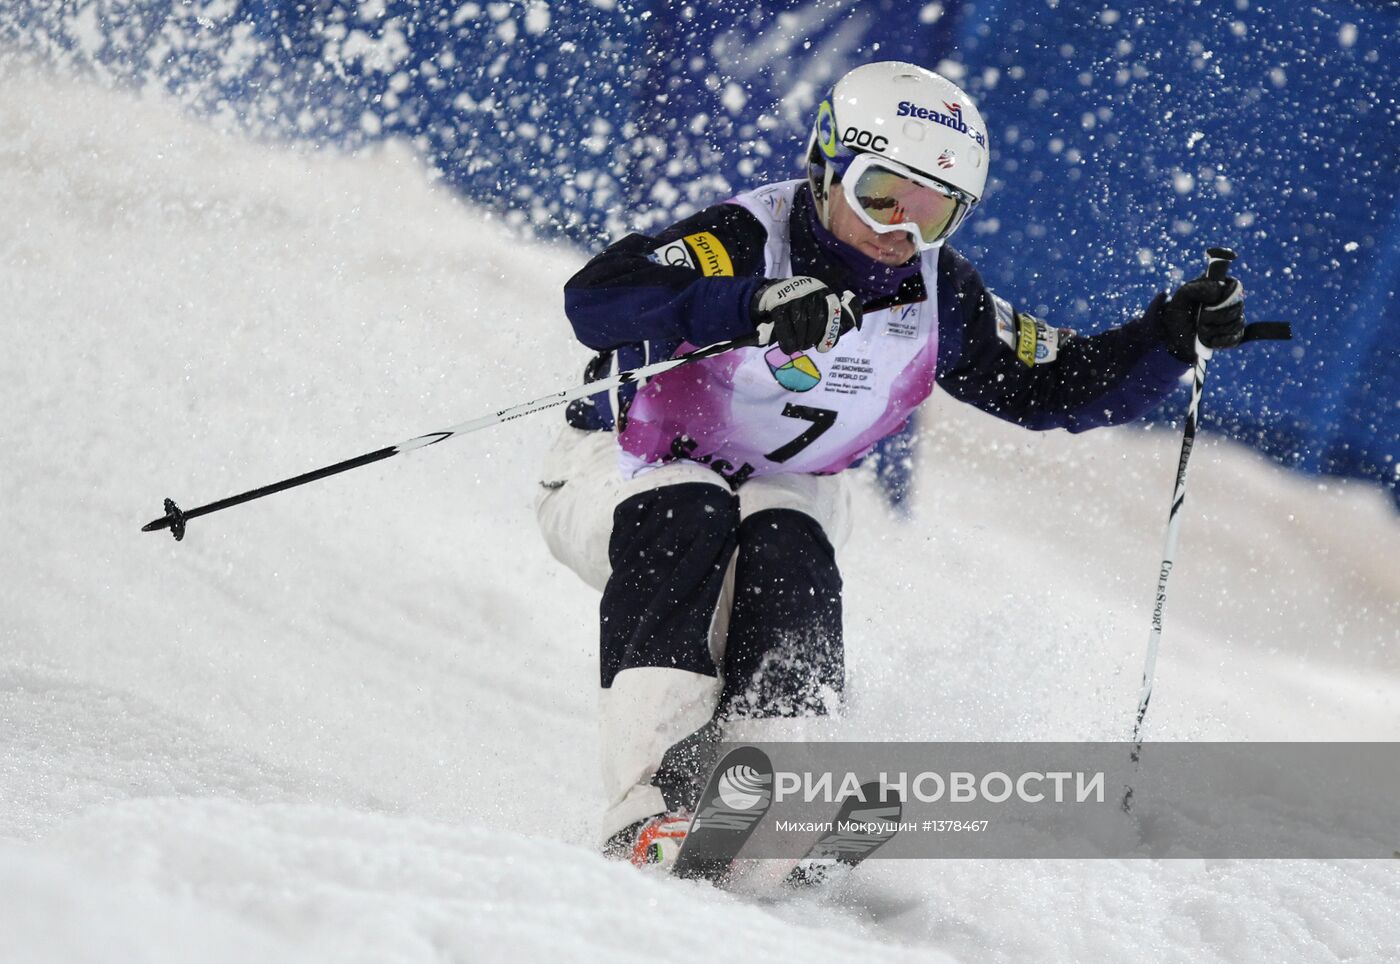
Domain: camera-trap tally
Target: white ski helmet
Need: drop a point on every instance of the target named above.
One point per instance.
(900, 119)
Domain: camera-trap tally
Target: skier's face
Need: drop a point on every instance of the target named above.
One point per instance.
(893, 248)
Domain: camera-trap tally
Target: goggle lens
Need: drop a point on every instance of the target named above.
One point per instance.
(890, 198)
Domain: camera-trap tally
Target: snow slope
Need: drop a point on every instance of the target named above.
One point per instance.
(354, 722)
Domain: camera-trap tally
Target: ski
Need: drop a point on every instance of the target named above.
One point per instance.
(865, 823)
(735, 799)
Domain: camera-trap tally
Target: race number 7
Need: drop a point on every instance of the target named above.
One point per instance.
(821, 419)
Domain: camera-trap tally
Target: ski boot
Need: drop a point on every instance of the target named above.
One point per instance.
(656, 840)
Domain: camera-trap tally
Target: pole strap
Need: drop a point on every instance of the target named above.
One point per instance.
(1267, 331)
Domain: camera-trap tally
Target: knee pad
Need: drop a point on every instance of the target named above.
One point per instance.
(669, 550)
(785, 654)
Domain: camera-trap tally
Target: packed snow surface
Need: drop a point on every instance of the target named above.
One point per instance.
(355, 721)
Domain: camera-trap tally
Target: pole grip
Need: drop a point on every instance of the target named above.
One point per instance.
(1218, 263)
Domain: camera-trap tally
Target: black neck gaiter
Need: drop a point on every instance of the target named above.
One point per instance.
(819, 253)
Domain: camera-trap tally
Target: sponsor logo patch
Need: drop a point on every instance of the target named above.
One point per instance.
(714, 260)
(1033, 341)
(865, 139)
(903, 322)
(774, 201)
(1027, 340)
(675, 255)
(1006, 320)
(683, 447)
(1038, 343)
(796, 373)
(953, 118)
(826, 129)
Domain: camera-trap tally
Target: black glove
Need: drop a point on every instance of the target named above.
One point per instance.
(801, 313)
(1220, 305)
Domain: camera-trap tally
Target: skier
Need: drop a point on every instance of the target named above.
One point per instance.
(707, 504)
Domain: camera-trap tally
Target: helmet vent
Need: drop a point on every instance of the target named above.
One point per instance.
(914, 130)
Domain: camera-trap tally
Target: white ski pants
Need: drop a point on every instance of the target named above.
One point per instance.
(648, 709)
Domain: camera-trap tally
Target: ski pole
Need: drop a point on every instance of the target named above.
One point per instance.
(176, 518)
(1217, 267)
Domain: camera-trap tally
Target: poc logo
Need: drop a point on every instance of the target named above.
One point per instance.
(860, 138)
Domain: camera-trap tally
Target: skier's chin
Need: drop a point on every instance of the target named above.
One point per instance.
(892, 257)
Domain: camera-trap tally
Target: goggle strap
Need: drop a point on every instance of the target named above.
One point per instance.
(828, 176)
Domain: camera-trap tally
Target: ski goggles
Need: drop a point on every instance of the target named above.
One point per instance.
(889, 197)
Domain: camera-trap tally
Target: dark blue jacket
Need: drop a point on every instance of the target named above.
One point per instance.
(633, 310)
